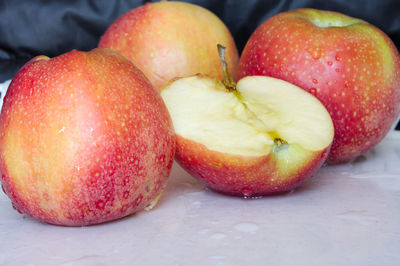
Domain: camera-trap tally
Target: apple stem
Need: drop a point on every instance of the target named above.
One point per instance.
(227, 80)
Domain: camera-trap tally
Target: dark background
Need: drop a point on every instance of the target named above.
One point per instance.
(52, 27)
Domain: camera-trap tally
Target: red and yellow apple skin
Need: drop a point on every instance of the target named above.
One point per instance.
(171, 39)
(354, 70)
(84, 139)
(245, 176)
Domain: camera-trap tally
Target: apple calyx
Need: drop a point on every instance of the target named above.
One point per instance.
(279, 144)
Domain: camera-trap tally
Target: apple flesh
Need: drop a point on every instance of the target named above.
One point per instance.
(351, 66)
(84, 139)
(264, 136)
(171, 39)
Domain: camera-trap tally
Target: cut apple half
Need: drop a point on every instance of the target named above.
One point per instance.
(261, 116)
(259, 136)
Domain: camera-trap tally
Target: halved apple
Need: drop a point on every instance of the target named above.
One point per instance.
(259, 136)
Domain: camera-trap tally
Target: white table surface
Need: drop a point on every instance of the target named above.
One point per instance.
(345, 215)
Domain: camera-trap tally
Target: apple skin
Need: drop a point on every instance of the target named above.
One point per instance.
(244, 176)
(354, 71)
(171, 39)
(84, 139)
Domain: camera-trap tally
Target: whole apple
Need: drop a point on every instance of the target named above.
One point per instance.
(351, 66)
(84, 139)
(171, 39)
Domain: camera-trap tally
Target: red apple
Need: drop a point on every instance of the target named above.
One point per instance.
(257, 137)
(84, 139)
(171, 39)
(351, 66)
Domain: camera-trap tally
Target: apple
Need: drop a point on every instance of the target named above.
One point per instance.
(351, 66)
(84, 139)
(170, 39)
(257, 137)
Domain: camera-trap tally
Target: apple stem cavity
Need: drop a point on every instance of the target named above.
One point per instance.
(227, 80)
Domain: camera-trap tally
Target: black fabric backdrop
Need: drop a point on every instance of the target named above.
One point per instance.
(52, 27)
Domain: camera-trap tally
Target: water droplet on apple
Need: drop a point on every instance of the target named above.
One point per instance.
(315, 81)
(17, 208)
(329, 63)
(338, 58)
(152, 204)
(315, 53)
(313, 91)
(247, 192)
